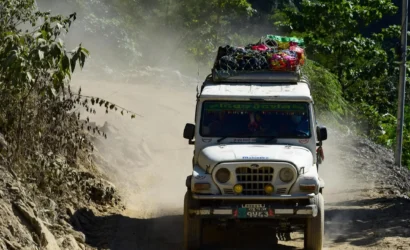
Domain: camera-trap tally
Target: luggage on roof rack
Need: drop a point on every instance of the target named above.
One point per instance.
(272, 59)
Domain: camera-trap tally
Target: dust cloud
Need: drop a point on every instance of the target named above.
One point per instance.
(342, 186)
(146, 157)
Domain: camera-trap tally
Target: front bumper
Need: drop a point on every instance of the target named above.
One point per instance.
(256, 211)
(255, 207)
(254, 197)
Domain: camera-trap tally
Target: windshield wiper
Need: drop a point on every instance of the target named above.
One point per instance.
(222, 138)
(239, 134)
(269, 138)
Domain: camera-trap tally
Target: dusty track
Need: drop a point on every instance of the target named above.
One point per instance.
(150, 161)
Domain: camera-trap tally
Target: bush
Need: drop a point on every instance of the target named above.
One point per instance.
(37, 106)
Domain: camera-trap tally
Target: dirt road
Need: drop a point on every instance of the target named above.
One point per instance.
(149, 161)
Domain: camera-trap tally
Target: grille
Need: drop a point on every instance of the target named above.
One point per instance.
(281, 191)
(254, 180)
(228, 191)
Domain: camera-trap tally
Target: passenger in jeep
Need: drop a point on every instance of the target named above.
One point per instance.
(220, 123)
(259, 122)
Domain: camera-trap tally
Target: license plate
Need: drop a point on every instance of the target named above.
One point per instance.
(253, 211)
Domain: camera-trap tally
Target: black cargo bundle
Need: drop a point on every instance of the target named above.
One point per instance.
(234, 58)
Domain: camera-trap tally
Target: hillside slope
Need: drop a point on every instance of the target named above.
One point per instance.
(32, 219)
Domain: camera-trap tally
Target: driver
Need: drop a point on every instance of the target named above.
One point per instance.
(300, 124)
(294, 125)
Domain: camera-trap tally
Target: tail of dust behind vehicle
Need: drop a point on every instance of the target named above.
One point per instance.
(257, 148)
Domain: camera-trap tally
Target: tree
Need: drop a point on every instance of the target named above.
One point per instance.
(269, 6)
(365, 66)
(208, 23)
(332, 33)
(37, 107)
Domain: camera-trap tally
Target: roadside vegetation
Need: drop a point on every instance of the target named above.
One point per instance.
(46, 167)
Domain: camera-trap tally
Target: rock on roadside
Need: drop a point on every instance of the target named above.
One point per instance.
(46, 237)
(26, 224)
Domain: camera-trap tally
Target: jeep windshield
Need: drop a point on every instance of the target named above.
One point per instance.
(245, 119)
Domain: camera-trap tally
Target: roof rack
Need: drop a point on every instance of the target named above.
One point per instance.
(256, 77)
(265, 76)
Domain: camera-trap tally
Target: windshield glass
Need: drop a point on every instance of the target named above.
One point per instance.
(255, 119)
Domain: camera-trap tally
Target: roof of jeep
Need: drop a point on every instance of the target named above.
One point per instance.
(299, 90)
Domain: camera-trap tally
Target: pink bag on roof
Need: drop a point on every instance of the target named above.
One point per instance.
(260, 47)
(283, 62)
(300, 52)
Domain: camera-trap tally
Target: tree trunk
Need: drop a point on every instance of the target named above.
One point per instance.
(218, 23)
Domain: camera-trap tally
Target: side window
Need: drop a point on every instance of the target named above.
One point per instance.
(314, 113)
(196, 118)
(314, 121)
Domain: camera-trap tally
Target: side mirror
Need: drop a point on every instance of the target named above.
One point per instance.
(189, 132)
(321, 133)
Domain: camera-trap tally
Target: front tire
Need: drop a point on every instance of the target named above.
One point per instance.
(192, 224)
(315, 227)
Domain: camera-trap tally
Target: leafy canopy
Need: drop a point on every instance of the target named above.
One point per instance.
(209, 23)
(332, 30)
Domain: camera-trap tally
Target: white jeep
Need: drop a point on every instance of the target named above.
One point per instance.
(257, 154)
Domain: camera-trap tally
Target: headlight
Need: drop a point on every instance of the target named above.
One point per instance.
(286, 174)
(223, 175)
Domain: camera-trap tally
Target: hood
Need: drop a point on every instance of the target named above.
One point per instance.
(210, 156)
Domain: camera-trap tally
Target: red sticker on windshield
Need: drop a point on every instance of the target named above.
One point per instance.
(304, 141)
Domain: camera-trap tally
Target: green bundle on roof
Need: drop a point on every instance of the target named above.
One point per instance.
(286, 39)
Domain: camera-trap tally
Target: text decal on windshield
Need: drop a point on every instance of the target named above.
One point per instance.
(245, 107)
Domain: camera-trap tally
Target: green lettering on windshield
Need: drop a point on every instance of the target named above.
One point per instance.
(254, 107)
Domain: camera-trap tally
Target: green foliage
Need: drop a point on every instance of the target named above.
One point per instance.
(365, 68)
(34, 65)
(325, 85)
(332, 33)
(210, 24)
(386, 133)
(38, 111)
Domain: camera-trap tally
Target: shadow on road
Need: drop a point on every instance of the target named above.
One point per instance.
(119, 232)
(365, 222)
